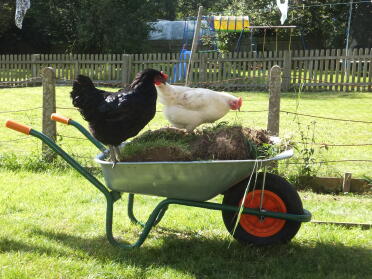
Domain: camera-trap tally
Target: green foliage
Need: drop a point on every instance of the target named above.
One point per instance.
(361, 34)
(33, 163)
(7, 15)
(265, 150)
(150, 136)
(324, 26)
(91, 26)
(306, 149)
(112, 26)
(140, 145)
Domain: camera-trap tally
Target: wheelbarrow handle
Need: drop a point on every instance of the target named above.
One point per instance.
(68, 121)
(60, 118)
(48, 141)
(18, 127)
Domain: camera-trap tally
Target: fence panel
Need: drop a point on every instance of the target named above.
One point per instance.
(313, 70)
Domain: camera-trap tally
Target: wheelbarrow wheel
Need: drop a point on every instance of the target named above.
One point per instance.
(278, 196)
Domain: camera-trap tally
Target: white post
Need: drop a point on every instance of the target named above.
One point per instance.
(194, 46)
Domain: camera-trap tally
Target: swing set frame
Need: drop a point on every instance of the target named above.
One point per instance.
(266, 27)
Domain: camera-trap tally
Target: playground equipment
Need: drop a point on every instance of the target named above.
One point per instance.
(268, 27)
(210, 25)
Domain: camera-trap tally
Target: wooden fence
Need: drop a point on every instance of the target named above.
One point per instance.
(315, 70)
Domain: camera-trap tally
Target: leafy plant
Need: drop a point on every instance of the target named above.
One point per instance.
(306, 149)
(34, 162)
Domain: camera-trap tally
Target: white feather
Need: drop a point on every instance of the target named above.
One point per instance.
(187, 107)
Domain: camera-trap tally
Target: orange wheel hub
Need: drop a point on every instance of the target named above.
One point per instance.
(262, 226)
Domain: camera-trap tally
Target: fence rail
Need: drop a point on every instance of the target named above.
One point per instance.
(313, 70)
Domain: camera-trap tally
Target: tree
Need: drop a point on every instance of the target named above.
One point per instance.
(322, 25)
(187, 8)
(109, 26)
(361, 32)
(7, 14)
(115, 26)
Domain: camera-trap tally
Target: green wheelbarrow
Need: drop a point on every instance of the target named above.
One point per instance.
(258, 208)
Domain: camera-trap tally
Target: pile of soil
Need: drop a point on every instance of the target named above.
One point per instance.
(220, 143)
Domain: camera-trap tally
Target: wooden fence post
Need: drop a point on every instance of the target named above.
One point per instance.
(346, 182)
(274, 101)
(49, 106)
(125, 67)
(287, 65)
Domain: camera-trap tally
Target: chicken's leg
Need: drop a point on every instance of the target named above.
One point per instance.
(117, 153)
(113, 155)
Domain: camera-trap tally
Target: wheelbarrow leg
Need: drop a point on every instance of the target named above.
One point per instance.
(134, 220)
(154, 217)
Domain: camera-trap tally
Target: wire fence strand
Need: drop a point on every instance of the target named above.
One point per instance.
(328, 118)
(20, 110)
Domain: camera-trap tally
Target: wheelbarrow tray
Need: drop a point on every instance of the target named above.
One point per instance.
(187, 180)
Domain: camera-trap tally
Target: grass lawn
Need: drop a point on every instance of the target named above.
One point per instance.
(52, 226)
(52, 220)
(354, 106)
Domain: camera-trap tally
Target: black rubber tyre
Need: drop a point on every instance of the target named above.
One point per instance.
(285, 195)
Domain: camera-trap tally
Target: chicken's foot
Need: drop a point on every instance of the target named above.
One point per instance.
(113, 156)
(117, 153)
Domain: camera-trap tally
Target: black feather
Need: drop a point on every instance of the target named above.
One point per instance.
(115, 117)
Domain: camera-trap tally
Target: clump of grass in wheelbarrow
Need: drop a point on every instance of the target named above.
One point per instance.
(219, 142)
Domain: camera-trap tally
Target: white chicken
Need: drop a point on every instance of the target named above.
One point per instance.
(187, 108)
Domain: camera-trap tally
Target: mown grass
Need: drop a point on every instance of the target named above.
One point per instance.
(52, 226)
(52, 220)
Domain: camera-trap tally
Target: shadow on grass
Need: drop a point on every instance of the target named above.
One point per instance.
(203, 257)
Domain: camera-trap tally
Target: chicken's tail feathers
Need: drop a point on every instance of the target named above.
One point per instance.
(85, 96)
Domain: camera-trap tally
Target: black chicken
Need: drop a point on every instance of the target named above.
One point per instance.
(115, 117)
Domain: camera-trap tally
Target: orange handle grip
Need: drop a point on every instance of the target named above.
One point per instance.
(60, 118)
(18, 127)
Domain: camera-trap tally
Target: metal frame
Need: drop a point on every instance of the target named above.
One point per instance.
(159, 211)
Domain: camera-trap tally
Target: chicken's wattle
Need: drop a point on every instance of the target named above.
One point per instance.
(164, 76)
(236, 104)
